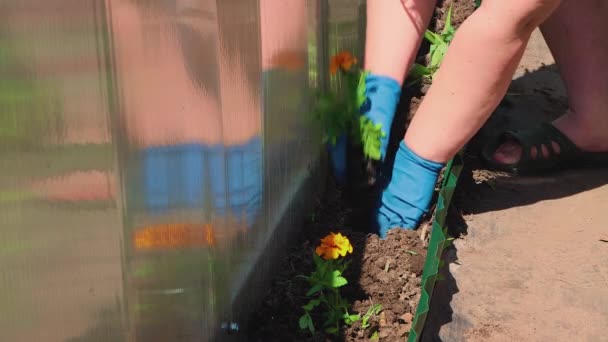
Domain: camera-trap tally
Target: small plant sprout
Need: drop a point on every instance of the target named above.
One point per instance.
(439, 46)
(372, 312)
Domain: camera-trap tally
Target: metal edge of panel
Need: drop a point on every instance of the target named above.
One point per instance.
(107, 61)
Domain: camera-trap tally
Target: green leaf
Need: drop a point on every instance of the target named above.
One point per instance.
(350, 319)
(314, 289)
(332, 330)
(375, 336)
(311, 304)
(431, 36)
(372, 311)
(361, 89)
(437, 55)
(333, 112)
(371, 135)
(319, 262)
(419, 71)
(305, 322)
(438, 48)
(448, 243)
(337, 280)
(448, 28)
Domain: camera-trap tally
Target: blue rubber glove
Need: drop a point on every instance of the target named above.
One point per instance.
(409, 193)
(382, 96)
(236, 180)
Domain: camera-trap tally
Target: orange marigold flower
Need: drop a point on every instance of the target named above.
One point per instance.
(344, 60)
(333, 246)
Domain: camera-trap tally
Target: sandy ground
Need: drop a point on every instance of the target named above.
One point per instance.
(532, 265)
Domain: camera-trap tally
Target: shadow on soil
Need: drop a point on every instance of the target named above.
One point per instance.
(535, 97)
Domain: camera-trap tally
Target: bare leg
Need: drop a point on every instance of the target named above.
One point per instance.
(575, 34)
(394, 33)
(475, 75)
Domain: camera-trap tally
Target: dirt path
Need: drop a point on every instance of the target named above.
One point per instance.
(532, 266)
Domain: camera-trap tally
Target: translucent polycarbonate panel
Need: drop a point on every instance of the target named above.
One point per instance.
(287, 51)
(345, 29)
(346, 25)
(190, 122)
(60, 222)
(150, 153)
(298, 38)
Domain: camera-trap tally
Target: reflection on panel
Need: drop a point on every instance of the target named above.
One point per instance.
(60, 260)
(166, 76)
(148, 151)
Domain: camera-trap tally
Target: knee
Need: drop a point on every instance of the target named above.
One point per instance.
(518, 17)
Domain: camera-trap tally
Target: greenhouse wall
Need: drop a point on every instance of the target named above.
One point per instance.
(155, 156)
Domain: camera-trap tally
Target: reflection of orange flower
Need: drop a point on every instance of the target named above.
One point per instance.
(344, 60)
(334, 245)
(173, 236)
(289, 60)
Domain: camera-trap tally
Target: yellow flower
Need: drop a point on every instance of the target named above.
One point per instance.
(333, 246)
(344, 60)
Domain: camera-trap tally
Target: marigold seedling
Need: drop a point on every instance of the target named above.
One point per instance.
(338, 110)
(373, 311)
(325, 283)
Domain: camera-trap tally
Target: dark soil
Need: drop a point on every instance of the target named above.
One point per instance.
(390, 275)
(461, 10)
(386, 272)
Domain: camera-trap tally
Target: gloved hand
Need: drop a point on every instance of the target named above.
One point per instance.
(382, 96)
(409, 193)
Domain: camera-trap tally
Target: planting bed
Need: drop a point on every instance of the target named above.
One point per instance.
(386, 272)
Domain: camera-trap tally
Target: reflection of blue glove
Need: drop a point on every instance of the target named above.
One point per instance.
(173, 176)
(383, 95)
(236, 180)
(155, 172)
(409, 193)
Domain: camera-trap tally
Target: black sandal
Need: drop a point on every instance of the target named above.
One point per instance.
(542, 139)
